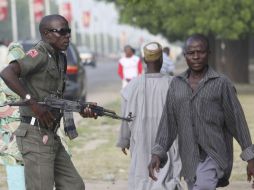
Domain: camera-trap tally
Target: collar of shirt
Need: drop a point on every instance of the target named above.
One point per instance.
(210, 74)
(48, 47)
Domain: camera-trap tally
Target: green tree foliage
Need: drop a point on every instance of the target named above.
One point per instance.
(176, 19)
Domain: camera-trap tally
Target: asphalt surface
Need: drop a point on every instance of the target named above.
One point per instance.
(103, 82)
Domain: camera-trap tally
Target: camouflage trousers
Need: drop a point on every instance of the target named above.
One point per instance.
(47, 165)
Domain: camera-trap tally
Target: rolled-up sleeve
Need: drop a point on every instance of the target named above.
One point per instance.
(248, 153)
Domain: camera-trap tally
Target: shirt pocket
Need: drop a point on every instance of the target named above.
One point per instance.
(52, 78)
(211, 112)
(183, 105)
(52, 71)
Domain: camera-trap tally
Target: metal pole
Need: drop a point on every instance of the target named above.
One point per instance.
(32, 23)
(14, 20)
(47, 7)
(83, 38)
(73, 31)
(73, 24)
(92, 35)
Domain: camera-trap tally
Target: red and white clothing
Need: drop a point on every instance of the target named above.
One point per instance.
(129, 68)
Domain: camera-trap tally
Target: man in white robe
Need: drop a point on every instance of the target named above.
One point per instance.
(144, 97)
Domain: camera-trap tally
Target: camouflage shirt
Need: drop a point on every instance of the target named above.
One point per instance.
(9, 121)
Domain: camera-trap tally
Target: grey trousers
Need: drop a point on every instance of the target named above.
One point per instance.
(46, 165)
(207, 175)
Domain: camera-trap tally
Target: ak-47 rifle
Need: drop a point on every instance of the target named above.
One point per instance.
(72, 106)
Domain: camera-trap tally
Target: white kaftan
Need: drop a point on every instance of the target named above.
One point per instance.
(145, 96)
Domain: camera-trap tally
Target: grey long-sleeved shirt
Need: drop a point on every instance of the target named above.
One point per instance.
(209, 117)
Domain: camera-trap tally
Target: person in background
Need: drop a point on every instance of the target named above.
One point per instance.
(145, 97)
(168, 66)
(129, 66)
(10, 156)
(203, 111)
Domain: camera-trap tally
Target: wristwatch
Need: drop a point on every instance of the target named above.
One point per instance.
(28, 97)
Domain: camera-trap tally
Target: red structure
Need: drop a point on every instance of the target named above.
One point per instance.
(66, 11)
(86, 19)
(38, 10)
(3, 10)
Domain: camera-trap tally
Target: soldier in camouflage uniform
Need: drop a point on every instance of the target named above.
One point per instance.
(10, 156)
(39, 74)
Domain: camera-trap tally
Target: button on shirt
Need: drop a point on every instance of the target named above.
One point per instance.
(209, 117)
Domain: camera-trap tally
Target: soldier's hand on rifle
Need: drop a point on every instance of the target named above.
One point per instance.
(42, 113)
(250, 171)
(88, 112)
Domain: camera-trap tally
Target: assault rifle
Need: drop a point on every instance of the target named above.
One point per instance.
(72, 106)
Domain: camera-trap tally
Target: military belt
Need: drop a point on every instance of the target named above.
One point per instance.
(35, 122)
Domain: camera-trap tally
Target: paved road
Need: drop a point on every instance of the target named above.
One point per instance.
(102, 81)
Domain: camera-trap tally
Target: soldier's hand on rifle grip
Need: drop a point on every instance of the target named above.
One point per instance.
(42, 113)
(87, 112)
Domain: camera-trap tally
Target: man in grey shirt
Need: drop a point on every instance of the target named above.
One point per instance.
(168, 67)
(202, 108)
